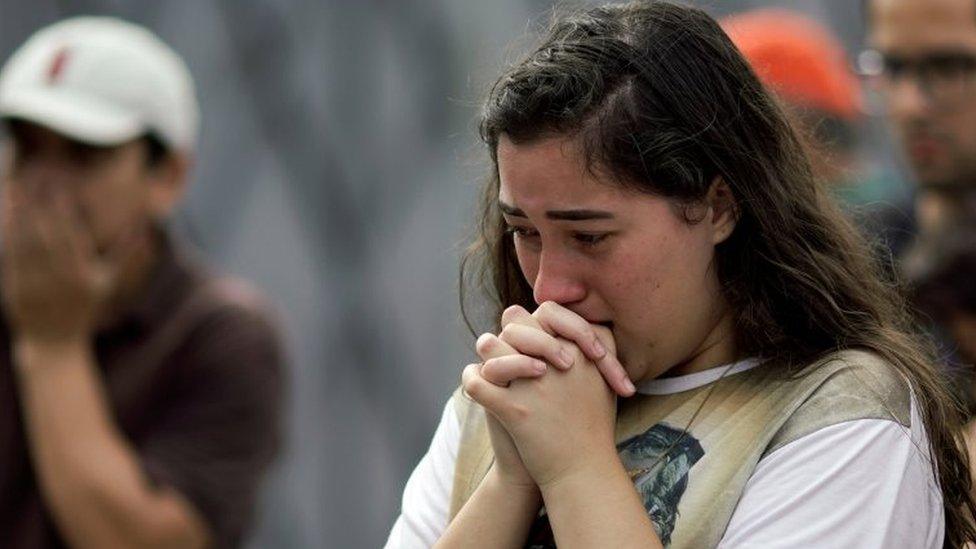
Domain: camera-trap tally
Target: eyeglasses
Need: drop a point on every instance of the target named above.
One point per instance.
(944, 77)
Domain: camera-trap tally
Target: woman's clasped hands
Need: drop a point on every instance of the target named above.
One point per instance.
(545, 381)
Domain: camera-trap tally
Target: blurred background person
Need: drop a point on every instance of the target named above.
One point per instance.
(923, 66)
(805, 64)
(139, 390)
(947, 294)
(801, 61)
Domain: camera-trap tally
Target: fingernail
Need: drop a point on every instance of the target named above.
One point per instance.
(629, 385)
(539, 367)
(566, 358)
(598, 348)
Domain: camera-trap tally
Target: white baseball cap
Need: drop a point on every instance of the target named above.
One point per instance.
(103, 81)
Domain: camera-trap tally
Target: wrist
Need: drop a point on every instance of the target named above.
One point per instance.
(515, 480)
(595, 466)
(30, 353)
(516, 488)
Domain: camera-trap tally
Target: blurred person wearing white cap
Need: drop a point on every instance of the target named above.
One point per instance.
(139, 391)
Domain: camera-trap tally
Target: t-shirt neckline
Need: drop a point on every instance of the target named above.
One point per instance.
(671, 385)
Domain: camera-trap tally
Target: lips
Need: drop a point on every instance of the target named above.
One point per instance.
(920, 149)
(923, 148)
(593, 318)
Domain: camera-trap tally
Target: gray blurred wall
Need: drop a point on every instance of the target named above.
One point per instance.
(338, 169)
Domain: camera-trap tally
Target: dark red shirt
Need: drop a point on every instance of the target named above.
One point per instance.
(194, 378)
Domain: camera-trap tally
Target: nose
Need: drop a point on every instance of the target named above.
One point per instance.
(558, 280)
(907, 100)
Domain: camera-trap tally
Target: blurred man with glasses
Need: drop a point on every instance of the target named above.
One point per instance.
(923, 64)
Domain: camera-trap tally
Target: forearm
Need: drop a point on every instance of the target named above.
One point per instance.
(497, 515)
(89, 475)
(598, 507)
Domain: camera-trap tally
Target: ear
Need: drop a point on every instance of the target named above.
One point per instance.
(167, 182)
(723, 210)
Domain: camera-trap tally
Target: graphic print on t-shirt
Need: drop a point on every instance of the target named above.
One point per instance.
(658, 462)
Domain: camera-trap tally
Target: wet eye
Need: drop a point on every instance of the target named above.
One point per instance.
(523, 232)
(590, 239)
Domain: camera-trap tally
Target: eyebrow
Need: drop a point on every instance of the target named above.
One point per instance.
(559, 215)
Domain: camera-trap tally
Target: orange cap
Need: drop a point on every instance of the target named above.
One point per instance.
(797, 58)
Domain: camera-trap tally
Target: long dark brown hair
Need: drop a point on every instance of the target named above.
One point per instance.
(662, 100)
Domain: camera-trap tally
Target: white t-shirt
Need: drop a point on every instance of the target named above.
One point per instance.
(858, 484)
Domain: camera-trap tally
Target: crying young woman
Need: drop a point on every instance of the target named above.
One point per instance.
(694, 348)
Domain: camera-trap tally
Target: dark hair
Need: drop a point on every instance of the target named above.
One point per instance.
(660, 99)
(825, 131)
(156, 150)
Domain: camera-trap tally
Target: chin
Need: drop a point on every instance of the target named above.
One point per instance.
(636, 366)
(933, 177)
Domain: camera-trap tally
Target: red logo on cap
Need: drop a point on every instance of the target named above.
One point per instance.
(58, 63)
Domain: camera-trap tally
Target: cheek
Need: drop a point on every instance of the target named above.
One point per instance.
(100, 212)
(113, 202)
(528, 262)
(665, 276)
(963, 134)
